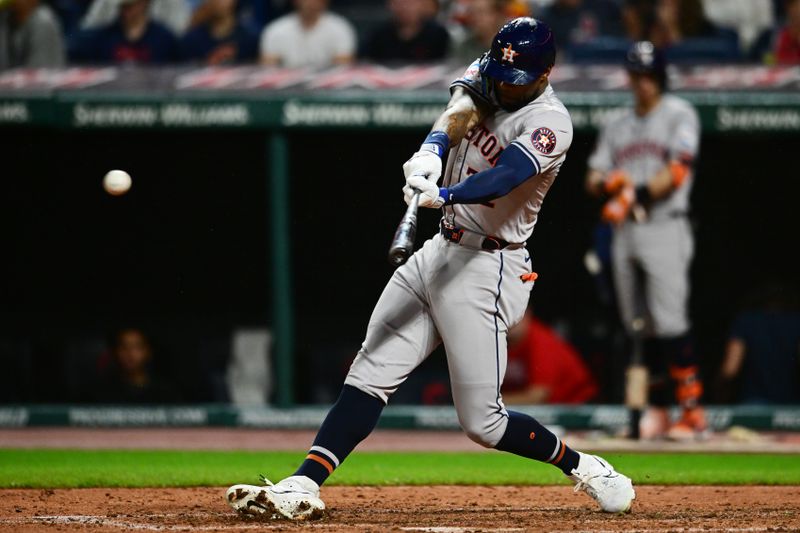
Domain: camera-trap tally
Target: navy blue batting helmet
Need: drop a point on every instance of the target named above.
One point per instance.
(522, 50)
(644, 58)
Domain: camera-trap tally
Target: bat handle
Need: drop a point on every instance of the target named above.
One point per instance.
(414, 205)
(403, 242)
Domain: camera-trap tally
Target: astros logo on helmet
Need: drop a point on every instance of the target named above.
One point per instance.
(522, 50)
(509, 53)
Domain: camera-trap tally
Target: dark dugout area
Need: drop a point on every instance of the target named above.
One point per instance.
(186, 253)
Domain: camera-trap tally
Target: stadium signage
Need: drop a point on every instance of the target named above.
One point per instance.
(166, 114)
(753, 118)
(265, 417)
(786, 419)
(296, 113)
(782, 418)
(592, 117)
(14, 113)
(14, 417)
(126, 417)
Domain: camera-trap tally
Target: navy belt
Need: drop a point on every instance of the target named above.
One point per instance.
(475, 240)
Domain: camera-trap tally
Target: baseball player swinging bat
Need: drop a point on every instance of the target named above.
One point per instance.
(636, 377)
(403, 242)
(509, 133)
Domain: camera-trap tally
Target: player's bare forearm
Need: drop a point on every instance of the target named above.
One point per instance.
(594, 182)
(660, 185)
(461, 114)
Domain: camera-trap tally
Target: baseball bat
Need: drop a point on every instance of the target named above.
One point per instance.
(403, 241)
(636, 377)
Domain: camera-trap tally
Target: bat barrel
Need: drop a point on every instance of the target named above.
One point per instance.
(636, 379)
(635, 417)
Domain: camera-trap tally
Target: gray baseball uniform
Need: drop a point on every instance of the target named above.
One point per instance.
(461, 294)
(662, 245)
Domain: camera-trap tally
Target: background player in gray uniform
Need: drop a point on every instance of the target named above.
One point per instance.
(643, 165)
(506, 134)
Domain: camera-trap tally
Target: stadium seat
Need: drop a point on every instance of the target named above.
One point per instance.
(762, 46)
(722, 48)
(599, 50)
(364, 18)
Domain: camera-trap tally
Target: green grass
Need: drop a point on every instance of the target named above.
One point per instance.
(81, 468)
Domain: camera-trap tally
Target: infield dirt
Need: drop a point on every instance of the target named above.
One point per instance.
(436, 509)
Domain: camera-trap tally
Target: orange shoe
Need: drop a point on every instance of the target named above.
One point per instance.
(691, 426)
(654, 423)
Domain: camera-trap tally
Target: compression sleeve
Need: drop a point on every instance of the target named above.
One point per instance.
(513, 168)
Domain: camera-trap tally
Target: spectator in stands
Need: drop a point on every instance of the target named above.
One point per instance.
(638, 18)
(30, 36)
(221, 39)
(543, 367)
(779, 9)
(252, 14)
(787, 43)
(174, 14)
(408, 37)
(134, 38)
(69, 13)
(677, 20)
(749, 18)
(430, 8)
(518, 8)
(128, 376)
(310, 36)
(457, 10)
(580, 21)
(762, 355)
(482, 19)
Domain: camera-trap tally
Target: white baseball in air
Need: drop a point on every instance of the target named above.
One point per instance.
(117, 182)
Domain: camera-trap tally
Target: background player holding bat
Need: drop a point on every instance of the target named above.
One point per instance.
(642, 165)
(505, 134)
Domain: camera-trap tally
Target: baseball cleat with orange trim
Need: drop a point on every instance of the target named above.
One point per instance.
(597, 478)
(654, 424)
(294, 498)
(691, 426)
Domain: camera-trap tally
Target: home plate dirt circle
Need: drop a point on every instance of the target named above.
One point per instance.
(441, 509)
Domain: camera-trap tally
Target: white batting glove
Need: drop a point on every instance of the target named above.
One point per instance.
(429, 192)
(424, 163)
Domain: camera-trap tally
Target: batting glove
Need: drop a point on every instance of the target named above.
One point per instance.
(424, 163)
(429, 192)
(617, 209)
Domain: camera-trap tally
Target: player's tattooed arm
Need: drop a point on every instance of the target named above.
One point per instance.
(462, 113)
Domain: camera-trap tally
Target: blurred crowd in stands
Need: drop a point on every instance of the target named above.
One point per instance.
(319, 33)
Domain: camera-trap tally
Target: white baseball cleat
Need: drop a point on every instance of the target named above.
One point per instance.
(613, 491)
(294, 498)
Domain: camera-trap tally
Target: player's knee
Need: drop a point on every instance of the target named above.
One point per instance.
(485, 430)
(382, 393)
(365, 374)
